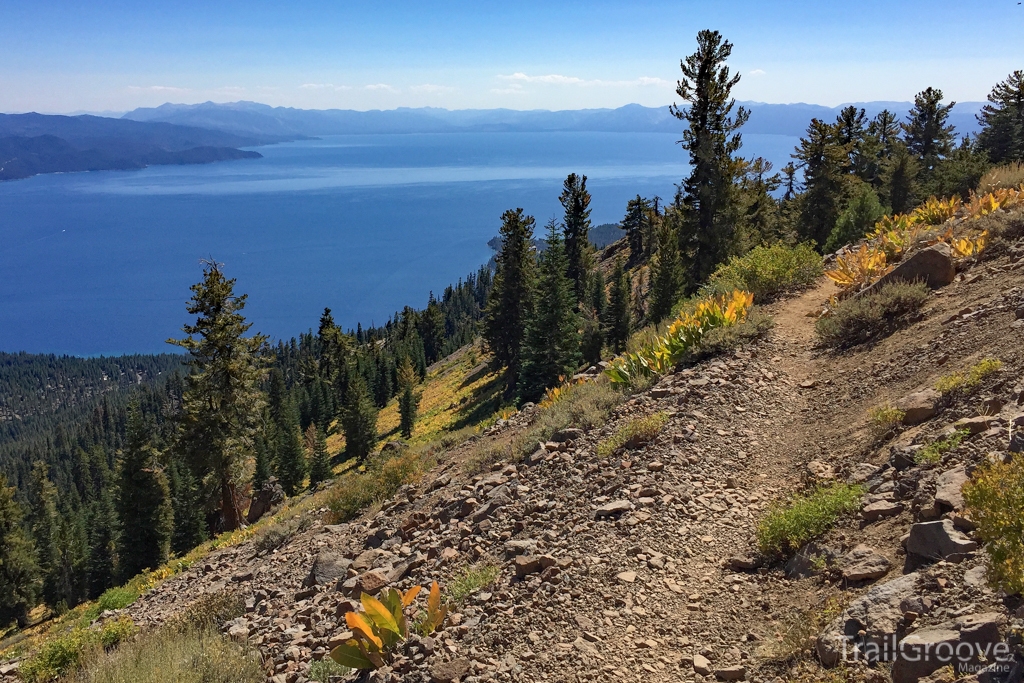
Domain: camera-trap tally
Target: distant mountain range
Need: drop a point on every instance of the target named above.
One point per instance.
(254, 119)
(203, 133)
(36, 143)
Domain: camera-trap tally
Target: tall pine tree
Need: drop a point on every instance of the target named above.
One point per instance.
(618, 315)
(359, 420)
(1002, 121)
(666, 273)
(143, 503)
(508, 306)
(575, 201)
(291, 459)
(711, 139)
(551, 348)
(824, 161)
(222, 402)
(320, 460)
(929, 138)
(19, 573)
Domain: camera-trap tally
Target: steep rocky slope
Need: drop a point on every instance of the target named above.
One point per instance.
(643, 565)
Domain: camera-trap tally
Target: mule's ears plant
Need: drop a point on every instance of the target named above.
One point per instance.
(382, 625)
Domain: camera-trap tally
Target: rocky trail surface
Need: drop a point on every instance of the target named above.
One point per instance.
(643, 565)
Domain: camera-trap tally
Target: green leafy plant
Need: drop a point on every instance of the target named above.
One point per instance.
(323, 669)
(964, 383)
(767, 271)
(788, 526)
(995, 502)
(381, 625)
(471, 580)
(885, 420)
(64, 654)
(933, 452)
(633, 434)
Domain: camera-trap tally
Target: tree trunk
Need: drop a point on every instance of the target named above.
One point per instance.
(230, 510)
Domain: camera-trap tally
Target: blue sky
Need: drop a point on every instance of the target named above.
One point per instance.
(68, 56)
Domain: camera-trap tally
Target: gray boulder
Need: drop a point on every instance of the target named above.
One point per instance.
(939, 540)
(863, 563)
(920, 406)
(932, 265)
(877, 613)
(948, 488)
(328, 566)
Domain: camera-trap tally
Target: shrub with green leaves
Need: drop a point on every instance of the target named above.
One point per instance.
(995, 502)
(767, 272)
(966, 382)
(633, 434)
(383, 476)
(788, 526)
(871, 315)
(472, 579)
(933, 452)
(64, 654)
(884, 420)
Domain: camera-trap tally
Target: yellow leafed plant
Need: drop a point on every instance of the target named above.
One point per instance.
(858, 267)
(556, 393)
(382, 625)
(965, 247)
(683, 334)
(936, 211)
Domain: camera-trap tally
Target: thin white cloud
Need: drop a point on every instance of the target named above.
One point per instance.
(508, 91)
(431, 88)
(156, 88)
(380, 86)
(757, 72)
(559, 79)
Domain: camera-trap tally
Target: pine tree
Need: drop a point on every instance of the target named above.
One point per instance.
(824, 161)
(926, 133)
(222, 401)
(359, 420)
(575, 201)
(43, 525)
(960, 172)
(1002, 121)
(711, 139)
(19, 574)
(408, 399)
(319, 460)
(262, 471)
(635, 223)
(551, 348)
(431, 328)
(618, 314)
(190, 528)
(143, 503)
(598, 295)
(508, 305)
(760, 221)
(102, 537)
(856, 220)
(899, 180)
(290, 466)
(666, 274)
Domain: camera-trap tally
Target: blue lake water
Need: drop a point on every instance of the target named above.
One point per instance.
(101, 262)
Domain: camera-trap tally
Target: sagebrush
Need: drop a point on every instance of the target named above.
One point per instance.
(871, 315)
